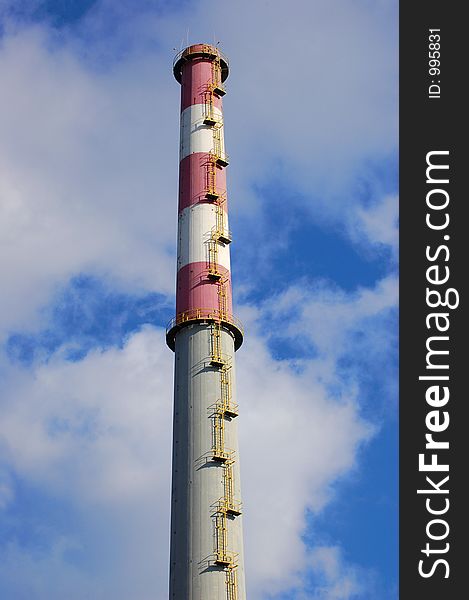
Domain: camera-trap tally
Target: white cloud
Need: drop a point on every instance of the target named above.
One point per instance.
(6, 489)
(88, 177)
(329, 317)
(378, 224)
(99, 430)
(98, 436)
(88, 153)
(312, 99)
(297, 441)
(341, 581)
(98, 442)
(78, 417)
(299, 414)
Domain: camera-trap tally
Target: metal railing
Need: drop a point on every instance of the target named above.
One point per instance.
(200, 49)
(197, 314)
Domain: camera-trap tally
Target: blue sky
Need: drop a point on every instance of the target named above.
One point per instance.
(88, 186)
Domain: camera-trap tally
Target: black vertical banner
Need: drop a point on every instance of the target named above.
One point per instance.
(434, 433)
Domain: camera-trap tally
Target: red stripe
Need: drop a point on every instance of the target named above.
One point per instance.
(194, 180)
(196, 291)
(196, 79)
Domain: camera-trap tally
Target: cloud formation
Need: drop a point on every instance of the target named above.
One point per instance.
(84, 185)
(88, 176)
(98, 441)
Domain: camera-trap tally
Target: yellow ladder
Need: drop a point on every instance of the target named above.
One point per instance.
(213, 272)
(218, 149)
(223, 558)
(221, 555)
(217, 85)
(209, 113)
(220, 219)
(231, 584)
(211, 193)
(218, 445)
(228, 484)
(230, 409)
(220, 232)
(222, 299)
(216, 355)
(228, 503)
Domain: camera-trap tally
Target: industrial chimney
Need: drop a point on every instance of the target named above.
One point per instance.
(206, 530)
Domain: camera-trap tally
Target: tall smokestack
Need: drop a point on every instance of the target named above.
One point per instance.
(206, 530)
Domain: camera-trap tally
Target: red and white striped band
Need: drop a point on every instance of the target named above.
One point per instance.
(203, 287)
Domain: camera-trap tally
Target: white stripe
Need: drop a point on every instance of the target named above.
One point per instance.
(197, 137)
(196, 224)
